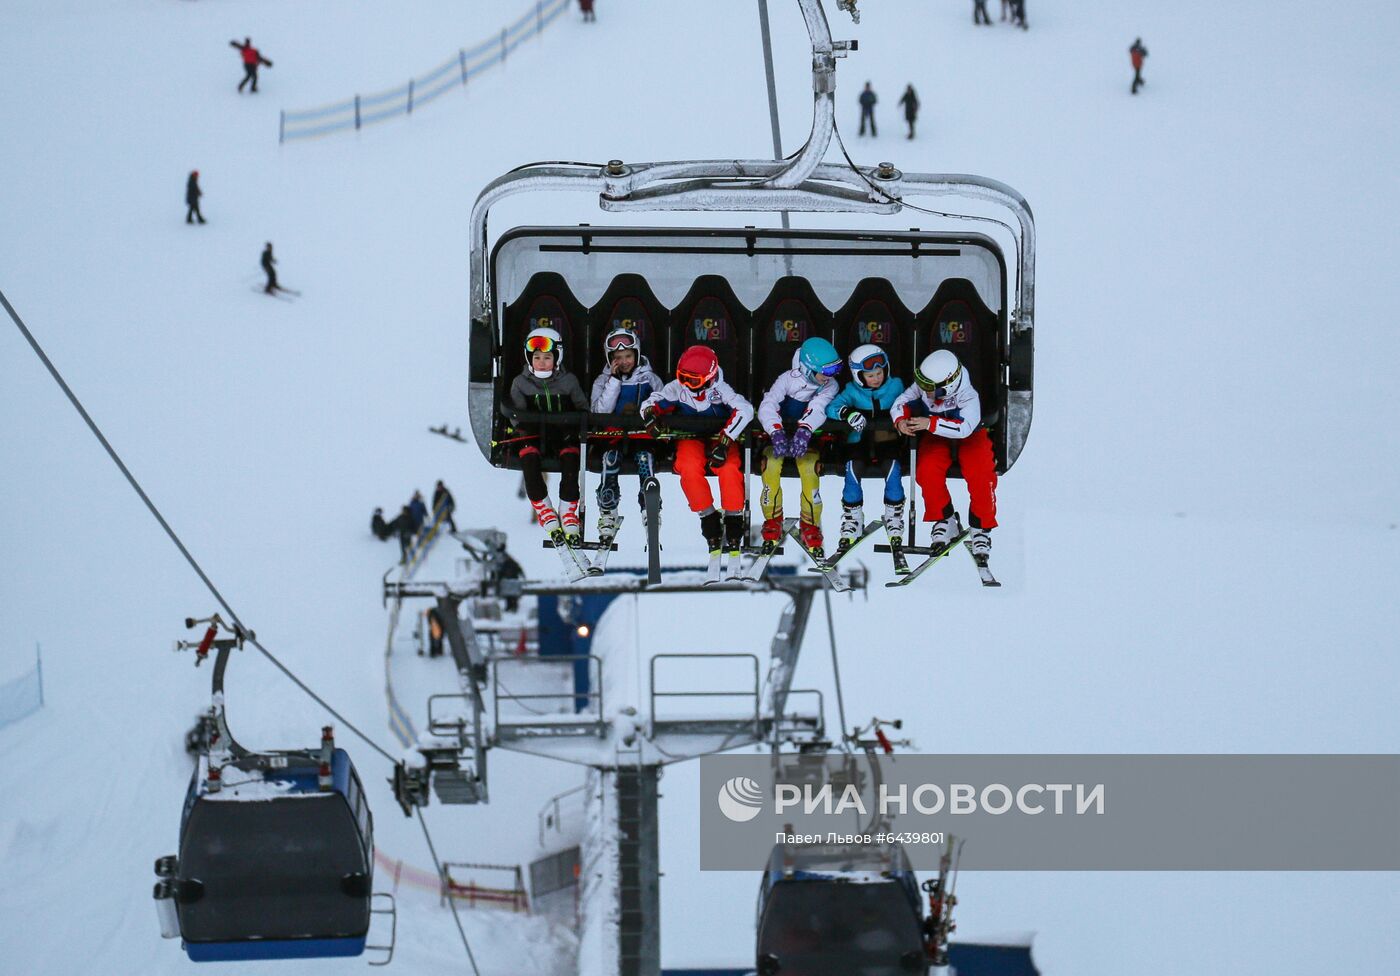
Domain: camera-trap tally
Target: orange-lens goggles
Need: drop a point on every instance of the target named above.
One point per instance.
(540, 344)
(694, 381)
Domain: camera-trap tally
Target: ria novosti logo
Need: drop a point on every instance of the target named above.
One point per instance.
(740, 799)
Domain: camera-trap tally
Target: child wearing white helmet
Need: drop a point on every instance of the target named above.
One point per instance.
(871, 392)
(622, 387)
(944, 412)
(544, 386)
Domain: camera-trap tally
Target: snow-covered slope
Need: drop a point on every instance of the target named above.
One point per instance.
(1199, 541)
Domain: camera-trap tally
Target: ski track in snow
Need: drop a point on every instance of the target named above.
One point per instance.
(1199, 541)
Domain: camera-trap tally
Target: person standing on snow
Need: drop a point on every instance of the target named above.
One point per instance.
(867, 109)
(625, 383)
(801, 394)
(252, 59)
(545, 386)
(192, 195)
(699, 390)
(871, 392)
(910, 101)
(979, 13)
(268, 262)
(1139, 54)
(945, 413)
(586, 7)
(440, 496)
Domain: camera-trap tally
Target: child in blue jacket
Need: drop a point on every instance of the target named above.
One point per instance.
(870, 394)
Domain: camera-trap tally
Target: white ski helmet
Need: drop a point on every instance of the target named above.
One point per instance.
(939, 373)
(544, 339)
(867, 356)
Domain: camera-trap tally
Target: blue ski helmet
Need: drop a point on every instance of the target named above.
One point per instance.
(817, 357)
(867, 356)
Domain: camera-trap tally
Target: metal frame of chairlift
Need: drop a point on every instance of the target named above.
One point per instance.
(802, 183)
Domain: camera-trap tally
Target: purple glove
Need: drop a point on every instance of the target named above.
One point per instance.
(801, 440)
(779, 439)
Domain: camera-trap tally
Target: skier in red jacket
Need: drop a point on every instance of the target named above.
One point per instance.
(252, 59)
(1139, 54)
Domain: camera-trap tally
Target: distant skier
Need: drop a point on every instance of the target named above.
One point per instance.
(624, 384)
(419, 510)
(269, 263)
(867, 109)
(192, 195)
(403, 525)
(871, 393)
(378, 526)
(799, 394)
(252, 60)
(442, 498)
(1006, 9)
(545, 386)
(699, 390)
(586, 6)
(943, 411)
(1139, 54)
(979, 13)
(910, 101)
(1018, 14)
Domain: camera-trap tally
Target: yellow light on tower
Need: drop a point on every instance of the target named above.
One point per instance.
(582, 630)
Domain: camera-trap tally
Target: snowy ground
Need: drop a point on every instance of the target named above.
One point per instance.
(1200, 538)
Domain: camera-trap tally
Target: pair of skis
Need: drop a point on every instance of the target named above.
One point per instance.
(733, 561)
(932, 555)
(285, 294)
(571, 553)
(829, 566)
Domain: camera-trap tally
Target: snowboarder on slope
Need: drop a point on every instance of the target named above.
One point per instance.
(192, 195)
(1139, 54)
(867, 109)
(625, 383)
(801, 394)
(252, 60)
(699, 390)
(545, 386)
(871, 393)
(943, 410)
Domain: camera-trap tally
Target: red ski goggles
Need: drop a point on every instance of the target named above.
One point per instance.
(876, 360)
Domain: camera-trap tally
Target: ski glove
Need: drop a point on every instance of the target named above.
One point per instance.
(779, 439)
(719, 451)
(854, 418)
(801, 440)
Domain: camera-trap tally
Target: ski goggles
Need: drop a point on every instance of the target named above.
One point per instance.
(540, 344)
(620, 343)
(939, 388)
(876, 360)
(831, 369)
(693, 381)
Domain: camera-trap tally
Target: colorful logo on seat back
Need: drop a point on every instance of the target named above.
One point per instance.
(955, 323)
(874, 323)
(709, 322)
(547, 313)
(630, 314)
(791, 323)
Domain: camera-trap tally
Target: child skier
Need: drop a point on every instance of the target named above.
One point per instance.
(949, 426)
(623, 385)
(545, 386)
(802, 394)
(871, 392)
(699, 390)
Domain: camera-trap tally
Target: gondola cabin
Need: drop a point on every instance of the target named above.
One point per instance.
(753, 296)
(823, 913)
(276, 860)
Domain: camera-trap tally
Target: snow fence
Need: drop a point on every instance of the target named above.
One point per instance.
(455, 72)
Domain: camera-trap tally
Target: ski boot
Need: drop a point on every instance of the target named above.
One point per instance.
(712, 528)
(979, 542)
(733, 537)
(573, 530)
(945, 531)
(772, 533)
(894, 527)
(811, 534)
(852, 525)
(546, 516)
(607, 525)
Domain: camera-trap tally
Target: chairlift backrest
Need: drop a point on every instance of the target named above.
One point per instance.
(629, 303)
(712, 315)
(790, 316)
(547, 302)
(875, 314)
